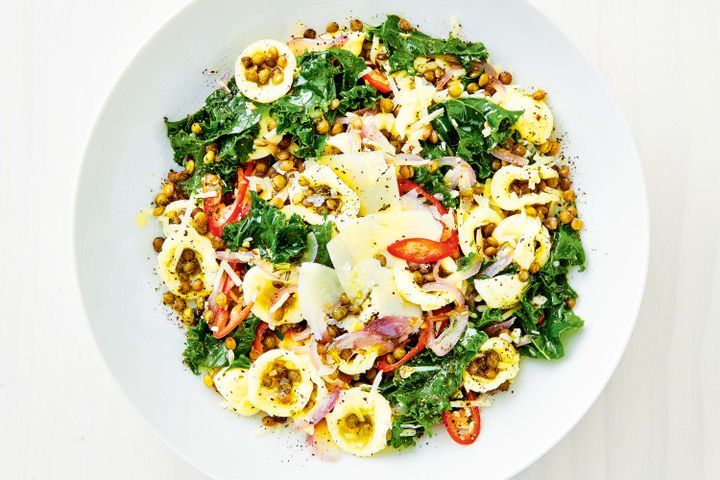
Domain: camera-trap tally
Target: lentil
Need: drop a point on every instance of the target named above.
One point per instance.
(322, 127)
(404, 25)
(158, 243)
(565, 217)
(339, 312)
(179, 305)
(197, 285)
(539, 94)
(455, 91)
(168, 298)
(386, 105)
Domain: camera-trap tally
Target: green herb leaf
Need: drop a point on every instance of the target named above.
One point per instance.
(359, 96)
(424, 396)
(433, 183)
(320, 79)
(278, 238)
(204, 351)
(551, 283)
(405, 46)
(461, 128)
(228, 120)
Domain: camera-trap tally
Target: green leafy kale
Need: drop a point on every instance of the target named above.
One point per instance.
(421, 398)
(228, 120)
(405, 46)
(461, 128)
(279, 239)
(433, 183)
(488, 317)
(321, 77)
(551, 282)
(204, 351)
(431, 151)
(359, 96)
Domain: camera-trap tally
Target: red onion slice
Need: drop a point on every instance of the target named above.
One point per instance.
(494, 329)
(281, 296)
(362, 340)
(449, 337)
(317, 362)
(325, 407)
(502, 260)
(299, 336)
(494, 75)
(462, 174)
(391, 326)
(235, 257)
(223, 82)
(409, 159)
(444, 80)
(219, 282)
(460, 275)
(457, 295)
(508, 156)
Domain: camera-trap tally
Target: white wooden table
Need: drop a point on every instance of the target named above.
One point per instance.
(61, 415)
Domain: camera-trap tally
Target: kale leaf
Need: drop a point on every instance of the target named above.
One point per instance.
(204, 351)
(279, 239)
(551, 282)
(488, 317)
(405, 46)
(433, 183)
(320, 79)
(228, 120)
(462, 125)
(422, 397)
(359, 96)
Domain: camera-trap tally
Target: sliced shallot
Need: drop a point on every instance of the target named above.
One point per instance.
(391, 326)
(494, 329)
(442, 344)
(317, 362)
(281, 296)
(457, 295)
(235, 257)
(409, 159)
(460, 275)
(508, 156)
(502, 260)
(325, 407)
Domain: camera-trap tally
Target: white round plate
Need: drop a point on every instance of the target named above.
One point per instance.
(128, 154)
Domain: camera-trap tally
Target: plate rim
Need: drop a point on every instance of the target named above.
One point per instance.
(600, 386)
